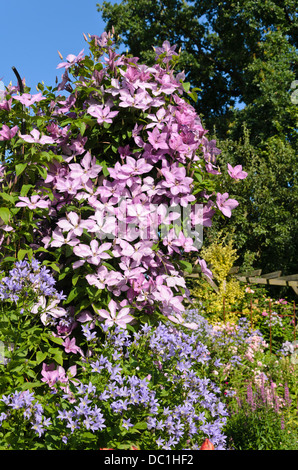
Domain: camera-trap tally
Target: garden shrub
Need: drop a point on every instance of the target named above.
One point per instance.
(220, 256)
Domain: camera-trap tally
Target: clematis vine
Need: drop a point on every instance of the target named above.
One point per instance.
(126, 181)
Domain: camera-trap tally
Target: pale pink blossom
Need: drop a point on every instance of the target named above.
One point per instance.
(92, 253)
(35, 138)
(113, 317)
(8, 133)
(71, 59)
(177, 318)
(237, 172)
(27, 99)
(225, 204)
(33, 202)
(48, 310)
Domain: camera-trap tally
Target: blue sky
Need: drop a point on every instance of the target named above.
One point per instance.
(33, 31)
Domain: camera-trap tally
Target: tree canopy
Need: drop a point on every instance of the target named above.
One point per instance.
(235, 52)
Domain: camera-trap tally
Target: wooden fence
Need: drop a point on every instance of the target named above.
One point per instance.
(273, 279)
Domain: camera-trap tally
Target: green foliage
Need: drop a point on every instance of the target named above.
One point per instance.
(265, 222)
(259, 419)
(277, 328)
(260, 430)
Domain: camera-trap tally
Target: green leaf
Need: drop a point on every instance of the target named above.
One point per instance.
(25, 188)
(141, 425)
(198, 177)
(75, 278)
(56, 340)
(42, 171)
(186, 86)
(21, 254)
(5, 214)
(28, 385)
(83, 127)
(72, 295)
(7, 197)
(20, 168)
(186, 266)
(59, 358)
(40, 357)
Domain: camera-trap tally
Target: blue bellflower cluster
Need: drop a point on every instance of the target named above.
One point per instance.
(153, 377)
(26, 276)
(32, 410)
(84, 415)
(175, 356)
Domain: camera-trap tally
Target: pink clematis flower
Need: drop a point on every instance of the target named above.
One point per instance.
(59, 239)
(6, 104)
(177, 318)
(35, 138)
(33, 202)
(50, 310)
(51, 375)
(102, 113)
(88, 168)
(71, 60)
(225, 204)
(8, 133)
(135, 167)
(70, 346)
(169, 302)
(140, 100)
(72, 223)
(67, 184)
(27, 99)
(158, 139)
(167, 50)
(186, 243)
(237, 172)
(92, 253)
(99, 279)
(112, 317)
(102, 225)
(204, 268)
(176, 180)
